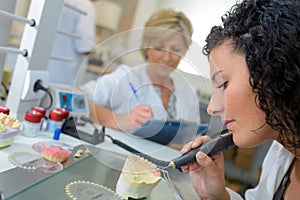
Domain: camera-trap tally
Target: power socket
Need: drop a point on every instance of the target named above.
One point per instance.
(32, 76)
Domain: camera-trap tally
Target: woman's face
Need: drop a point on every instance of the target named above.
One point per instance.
(164, 54)
(233, 99)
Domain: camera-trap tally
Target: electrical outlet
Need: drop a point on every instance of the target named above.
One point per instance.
(31, 77)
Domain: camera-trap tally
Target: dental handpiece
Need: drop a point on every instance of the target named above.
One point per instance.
(219, 144)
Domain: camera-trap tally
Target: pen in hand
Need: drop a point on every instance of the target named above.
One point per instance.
(144, 112)
(134, 91)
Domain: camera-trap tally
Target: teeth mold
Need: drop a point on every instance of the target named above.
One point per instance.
(138, 178)
(9, 128)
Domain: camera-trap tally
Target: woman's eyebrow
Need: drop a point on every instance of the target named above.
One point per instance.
(213, 78)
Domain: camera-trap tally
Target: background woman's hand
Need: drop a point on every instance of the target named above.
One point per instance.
(134, 119)
(139, 115)
(207, 174)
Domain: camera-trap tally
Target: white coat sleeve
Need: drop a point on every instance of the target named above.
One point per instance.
(106, 85)
(103, 90)
(89, 88)
(233, 195)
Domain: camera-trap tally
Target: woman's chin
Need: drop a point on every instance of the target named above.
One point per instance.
(244, 142)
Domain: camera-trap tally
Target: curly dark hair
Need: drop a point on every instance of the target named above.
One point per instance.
(268, 33)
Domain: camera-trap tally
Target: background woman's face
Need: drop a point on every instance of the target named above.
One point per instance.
(233, 99)
(165, 54)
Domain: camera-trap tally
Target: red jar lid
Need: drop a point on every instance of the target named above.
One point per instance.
(4, 110)
(30, 116)
(64, 111)
(56, 115)
(37, 109)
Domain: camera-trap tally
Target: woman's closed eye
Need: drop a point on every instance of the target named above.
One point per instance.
(223, 85)
(159, 48)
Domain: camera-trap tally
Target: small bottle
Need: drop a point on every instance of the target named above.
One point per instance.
(42, 112)
(31, 124)
(54, 121)
(57, 134)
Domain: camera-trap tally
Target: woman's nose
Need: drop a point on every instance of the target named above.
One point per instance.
(210, 109)
(167, 55)
(215, 107)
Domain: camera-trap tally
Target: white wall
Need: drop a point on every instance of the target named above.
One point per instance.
(203, 14)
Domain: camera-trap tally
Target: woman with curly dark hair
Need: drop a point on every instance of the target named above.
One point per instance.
(255, 70)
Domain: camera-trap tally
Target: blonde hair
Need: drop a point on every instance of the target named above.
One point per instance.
(162, 24)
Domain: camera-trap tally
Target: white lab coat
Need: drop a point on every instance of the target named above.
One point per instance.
(65, 72)
(113, 92)
(275, 165)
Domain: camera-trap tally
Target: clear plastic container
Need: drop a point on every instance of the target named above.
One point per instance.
(31, 124)
(42, 111)
(54, 121)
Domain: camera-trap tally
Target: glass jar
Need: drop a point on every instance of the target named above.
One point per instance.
(42, 112)
(31, 124)
(54, 121)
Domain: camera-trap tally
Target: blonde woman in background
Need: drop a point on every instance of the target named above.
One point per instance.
(130, 96)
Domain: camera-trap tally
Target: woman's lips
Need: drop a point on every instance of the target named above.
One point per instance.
(228, 123)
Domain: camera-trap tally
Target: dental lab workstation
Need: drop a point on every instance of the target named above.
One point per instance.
(101, 99)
